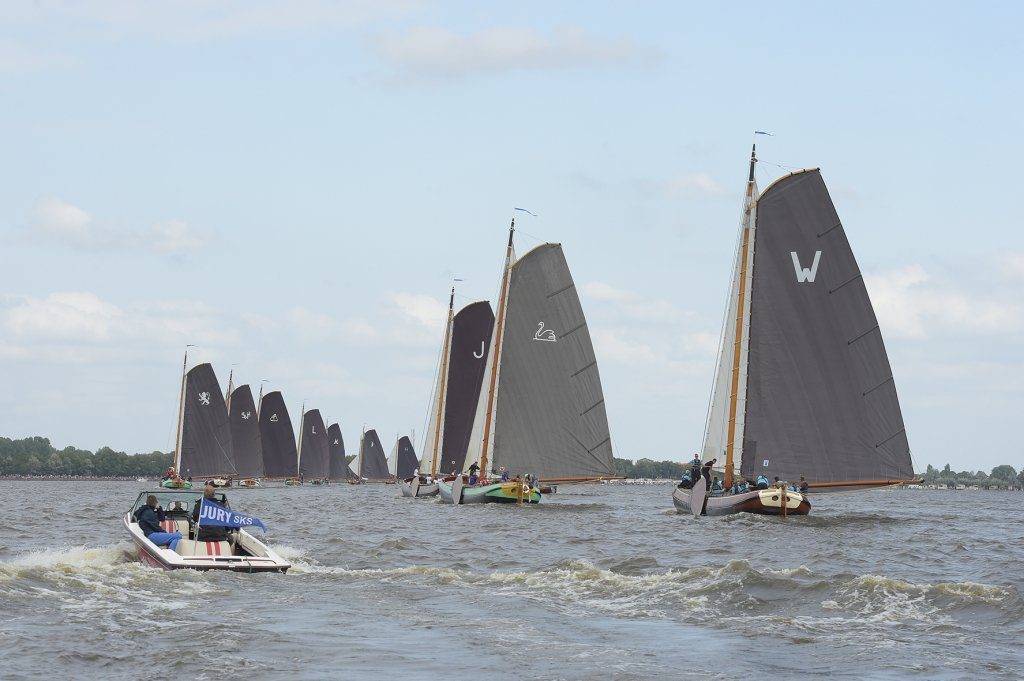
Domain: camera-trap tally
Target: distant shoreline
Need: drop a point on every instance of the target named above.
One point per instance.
(73, 478)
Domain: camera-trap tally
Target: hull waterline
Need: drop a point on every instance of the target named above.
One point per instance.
(762, 502)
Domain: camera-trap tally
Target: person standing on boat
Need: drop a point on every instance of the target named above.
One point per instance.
(504, 474)
(210, 532)
(706, 472)
(149, 518)
(762, 481)
(473, 477)
(804, 487)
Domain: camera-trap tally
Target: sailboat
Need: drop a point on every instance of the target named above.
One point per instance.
(246, 446)
(338, 468)
(541, 413)
(457, 391)
(403, 461)
(203, 444)
(279, 450)
(314, 448)
(373, 466)
(803, 386)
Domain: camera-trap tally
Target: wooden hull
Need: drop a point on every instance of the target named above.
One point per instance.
(250, 482)
(422, 491)
(763, 502)
(498, 493)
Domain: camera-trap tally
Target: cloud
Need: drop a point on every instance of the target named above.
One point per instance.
(56, 220)
(421, 309)
(909, 305)
(1011, 265)
(438, 52)
(695, 184)
(81, 326)
(628, 305)
(18, 59)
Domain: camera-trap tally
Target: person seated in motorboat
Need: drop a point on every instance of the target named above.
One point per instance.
(177, 508)
(762, 482)
(149, 517)
(211, 532)
(716, 486)
(685, 482)
(804, 487)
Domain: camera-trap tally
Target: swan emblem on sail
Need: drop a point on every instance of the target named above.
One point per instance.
(204, 399)
(246, 415)
(544, 334)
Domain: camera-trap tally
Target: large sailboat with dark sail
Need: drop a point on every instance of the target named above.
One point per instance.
(203, 444)
(373, 465)
(280, 455)
(314, 448)
(803, 388)
(403, 461)
(541, 412)
(456, 394)
(338, 469)
(246, 444)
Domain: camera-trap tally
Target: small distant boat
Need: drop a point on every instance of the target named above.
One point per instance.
(803, 385)
(373, 465)
(245, 554)
(277, 437)
(176, 483)
(293, 482)
(219, 482)
(314, 448)
(250, 483)
(545, 416)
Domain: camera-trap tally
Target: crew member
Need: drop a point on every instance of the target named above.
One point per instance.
(149, 517)
(804, 487)
(762, 482)
(706, 472)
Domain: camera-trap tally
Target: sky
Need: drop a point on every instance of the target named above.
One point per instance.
(291, 188)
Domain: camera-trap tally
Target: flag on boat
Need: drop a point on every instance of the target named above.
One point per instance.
(211, 513)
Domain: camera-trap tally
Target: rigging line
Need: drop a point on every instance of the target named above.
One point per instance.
(532, 236)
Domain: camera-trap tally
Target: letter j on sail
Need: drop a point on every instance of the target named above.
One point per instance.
(806, 274)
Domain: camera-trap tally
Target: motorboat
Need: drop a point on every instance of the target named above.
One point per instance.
(243, 553)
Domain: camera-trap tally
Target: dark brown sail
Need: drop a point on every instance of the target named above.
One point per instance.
(205, 430)
(314, 451)
(246, 444)
(373, 463)
(339, 469)
(279, 454)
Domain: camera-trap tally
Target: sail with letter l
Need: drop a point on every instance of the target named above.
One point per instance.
(314, 448)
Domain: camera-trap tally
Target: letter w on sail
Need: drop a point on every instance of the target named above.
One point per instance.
(806, 274)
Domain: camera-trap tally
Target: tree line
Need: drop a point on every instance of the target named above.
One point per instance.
(1000, 476)
(36, 456)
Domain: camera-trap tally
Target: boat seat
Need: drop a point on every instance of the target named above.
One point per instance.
(188, 547)
(176, 525)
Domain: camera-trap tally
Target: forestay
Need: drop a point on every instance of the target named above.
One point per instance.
(821, 401)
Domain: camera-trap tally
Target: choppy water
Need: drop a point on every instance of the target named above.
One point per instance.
(597, 582)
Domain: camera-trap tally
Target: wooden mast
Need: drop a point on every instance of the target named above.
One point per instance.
(748, 204)
(181, 416)
(496, 350)
(231, 385)
(443, 382)
(298, 450)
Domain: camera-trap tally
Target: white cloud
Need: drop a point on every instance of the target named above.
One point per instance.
(908, 305)
(73, 314)
(438, 52)
(421, 309)
(628, 305)
(695, 184)
(54, 219)
(1011, 265)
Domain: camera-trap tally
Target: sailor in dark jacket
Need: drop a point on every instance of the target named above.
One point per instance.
(210, 532)
(149, 518)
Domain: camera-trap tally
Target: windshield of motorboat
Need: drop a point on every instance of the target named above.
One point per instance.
(176, 501)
